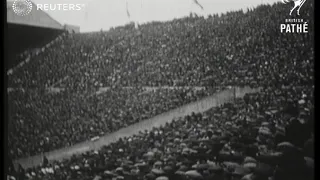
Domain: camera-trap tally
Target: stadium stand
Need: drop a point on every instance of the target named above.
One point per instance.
(29, 33)
(265, 135)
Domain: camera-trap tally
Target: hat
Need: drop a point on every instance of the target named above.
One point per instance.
(285, 144)
(119, 169)
(180, 173)
(183, 168)
(248, 177)
(157, 171)
(194, 174)
(162, 178)
(250, 159)
(241, 171)
(263, 170)
(215, 167)
(250, 165)
(108, 173)
(158, 163)
(150, 176)
(202, 166)
(97, 178)
(232, 165)
(167, 169)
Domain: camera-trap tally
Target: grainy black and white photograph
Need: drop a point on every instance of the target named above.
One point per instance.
(160, 89)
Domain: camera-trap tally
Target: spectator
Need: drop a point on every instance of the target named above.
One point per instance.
(231, 49)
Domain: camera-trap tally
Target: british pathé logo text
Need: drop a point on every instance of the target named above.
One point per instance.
(297, 4)
(294, 26)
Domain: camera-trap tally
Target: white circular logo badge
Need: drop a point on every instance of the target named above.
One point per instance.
(22, 7)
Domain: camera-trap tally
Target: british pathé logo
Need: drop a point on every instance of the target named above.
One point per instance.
(295, 25)
(297, 4)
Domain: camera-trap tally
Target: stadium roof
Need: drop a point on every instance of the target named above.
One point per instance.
(35, 18)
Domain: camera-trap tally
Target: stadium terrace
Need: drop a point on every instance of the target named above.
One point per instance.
(124, 104)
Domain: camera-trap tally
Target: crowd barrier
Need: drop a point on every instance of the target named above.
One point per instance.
(199, 106)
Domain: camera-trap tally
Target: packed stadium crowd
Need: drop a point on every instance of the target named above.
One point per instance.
(263, 135)
(184, 51)
(268, 135)
(78, 118)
